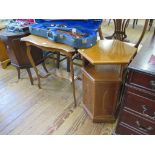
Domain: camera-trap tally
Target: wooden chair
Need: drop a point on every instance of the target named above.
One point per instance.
(142, 34)
(125, 74)
(120, 26)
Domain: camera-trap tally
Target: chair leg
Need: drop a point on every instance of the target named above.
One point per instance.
(133, 26)
(135, 21)
(58, 59)
(68, 64)
(109, 22)
(18, 70)
(150, 24)
(30, 75)
(72, 78)
(100, 33)
(44, 66)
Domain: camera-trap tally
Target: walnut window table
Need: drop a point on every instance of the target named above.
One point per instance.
(47, 45)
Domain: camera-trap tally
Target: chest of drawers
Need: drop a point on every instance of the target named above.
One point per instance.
(137, 115)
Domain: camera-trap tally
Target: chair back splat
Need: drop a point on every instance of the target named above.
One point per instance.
(120, 26)
(120, 29)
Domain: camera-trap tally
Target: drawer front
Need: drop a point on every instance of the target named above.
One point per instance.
(124, 130)
(138, 123)
(142, 80)
(141, 105)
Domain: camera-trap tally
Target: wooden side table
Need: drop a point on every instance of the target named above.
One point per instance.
(47, 45)
(102, 77)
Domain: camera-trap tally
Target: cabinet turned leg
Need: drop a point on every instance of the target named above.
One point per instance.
(18, 70)
(30, 75)
(44, 66)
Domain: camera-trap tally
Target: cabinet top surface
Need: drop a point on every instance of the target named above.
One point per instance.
(109, 52)
(142, 61)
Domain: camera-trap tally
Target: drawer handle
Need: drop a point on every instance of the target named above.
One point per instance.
(152, 83)
(144, 112)
(146, 129)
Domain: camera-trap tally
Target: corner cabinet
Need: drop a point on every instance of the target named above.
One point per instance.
(102, 76)
(100, 93)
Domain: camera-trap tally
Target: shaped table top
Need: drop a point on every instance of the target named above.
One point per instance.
(45, 43)
(109, 52)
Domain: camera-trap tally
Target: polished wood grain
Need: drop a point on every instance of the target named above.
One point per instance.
(4, 60)
(103, 73)
(109, 52)
(45, 43)
(100, 93)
